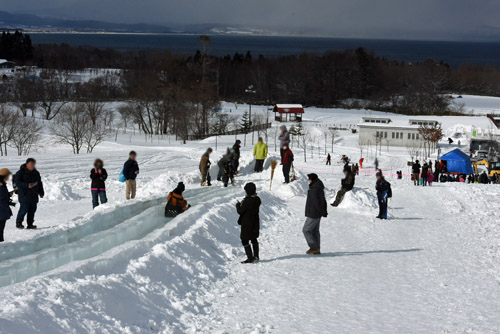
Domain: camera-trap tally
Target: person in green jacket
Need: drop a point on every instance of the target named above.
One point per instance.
(260, 154)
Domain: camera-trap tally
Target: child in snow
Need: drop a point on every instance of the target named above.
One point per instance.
(249, 220)
(430, 179)
(383, 194)
(5, 202)
(98, 187)
(228, 173)
(175, 202)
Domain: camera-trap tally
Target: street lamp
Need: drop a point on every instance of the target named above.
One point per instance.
(251, 90)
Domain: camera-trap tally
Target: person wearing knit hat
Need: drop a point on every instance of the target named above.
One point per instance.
(249, 221)
(5, 202)
(29, 190)
(316, 208)
(384, 192)
(176, 203)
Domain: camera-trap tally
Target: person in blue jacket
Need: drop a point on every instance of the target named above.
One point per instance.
(30, 189)
(5, 202)
(383, 193)
(130, 171)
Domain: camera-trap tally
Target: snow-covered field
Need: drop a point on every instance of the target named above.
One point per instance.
(433, 267)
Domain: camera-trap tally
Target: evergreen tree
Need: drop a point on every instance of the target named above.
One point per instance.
(245, 126)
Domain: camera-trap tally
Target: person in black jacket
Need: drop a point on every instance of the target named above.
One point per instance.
(5, 202)
(483, 178)
(416, 172)
(30, 189)
(236, 155)
(131, 170)
(347, 185)
(315, 209)
(383, 193)
(248, 210)
(98, 187)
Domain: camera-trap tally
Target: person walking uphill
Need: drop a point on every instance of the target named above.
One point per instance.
(30, 189)
(384, 192)
(131, 170)
(287, 162)
(315, 209)
(249, 221)
(98, 186)
(284, 139)
(5, 202)
(236, 155)
(260, 154)
(205, 167)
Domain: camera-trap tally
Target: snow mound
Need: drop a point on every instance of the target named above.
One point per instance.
(360, 199)
(59, 191)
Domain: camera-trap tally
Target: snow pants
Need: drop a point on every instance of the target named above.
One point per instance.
(27, 209)
(416, 178)
(311, 232)
(259, 166)
(382, 204)
(286, 172)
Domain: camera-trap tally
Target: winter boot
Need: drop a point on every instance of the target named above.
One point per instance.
(248, 251)
(313, 252)
(255, 252)
(31, 226)
(19, 224)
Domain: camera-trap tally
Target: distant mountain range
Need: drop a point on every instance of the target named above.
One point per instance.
(10, 21)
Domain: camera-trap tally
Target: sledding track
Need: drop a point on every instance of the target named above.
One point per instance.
(98, 234)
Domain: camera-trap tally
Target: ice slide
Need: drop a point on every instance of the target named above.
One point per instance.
(99, 233)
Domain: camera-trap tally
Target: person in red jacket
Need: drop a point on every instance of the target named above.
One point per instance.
(361, 162)
(287, 162)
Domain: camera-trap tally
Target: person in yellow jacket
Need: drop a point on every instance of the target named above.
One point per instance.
(260, 154)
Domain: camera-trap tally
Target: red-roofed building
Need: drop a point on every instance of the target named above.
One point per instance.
(288, 112)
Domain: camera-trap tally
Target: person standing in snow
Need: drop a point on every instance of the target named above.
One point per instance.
(260, 154)
(425, 174)
(131, 170)
(30, 189)
(483, 178)
(176, 203)
(236, 155)
(347, 185)
(376, 163)
(356, 169)
(226, 171)
(328, 160)
(249, 221)
(316, 208)
(5, 201)
(205, 167)
(383, 194)
(416, 172)
(284, 139)
(98, 186)
(361, 162)
(287, 161)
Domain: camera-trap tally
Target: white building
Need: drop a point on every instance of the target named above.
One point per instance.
(400, 131)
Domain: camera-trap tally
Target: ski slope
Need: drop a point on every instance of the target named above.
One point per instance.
(433, 267)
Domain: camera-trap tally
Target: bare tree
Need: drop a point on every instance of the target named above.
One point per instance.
(71, 126)
(26, 135)
(53, 96)
(333, 134)
(8, 121)
(275, 132)
(94, 135)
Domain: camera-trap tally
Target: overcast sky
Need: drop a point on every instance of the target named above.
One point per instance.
(431, 19)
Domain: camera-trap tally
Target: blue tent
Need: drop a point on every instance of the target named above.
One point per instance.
(458, 162)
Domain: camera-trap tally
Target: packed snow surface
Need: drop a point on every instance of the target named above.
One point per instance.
(433, 267)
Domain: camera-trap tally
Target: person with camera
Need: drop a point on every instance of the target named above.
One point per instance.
(98, 186)
(30, 190)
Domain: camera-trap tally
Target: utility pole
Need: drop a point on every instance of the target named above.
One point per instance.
(251, 90)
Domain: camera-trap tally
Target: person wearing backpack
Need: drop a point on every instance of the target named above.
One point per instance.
(176, 203)
(384, 192)
(98, 175)
(5, 201)
(249, 221)
(130, 171)
(30, 189)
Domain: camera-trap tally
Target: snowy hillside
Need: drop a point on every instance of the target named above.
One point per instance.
(433, 267)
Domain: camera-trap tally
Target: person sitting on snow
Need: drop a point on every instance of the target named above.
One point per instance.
(347, 184)
(249, 220)
(176, 203)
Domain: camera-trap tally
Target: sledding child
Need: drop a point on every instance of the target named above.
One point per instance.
(248, 210)
(5, 202)
(176, 203)
(98, 187)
